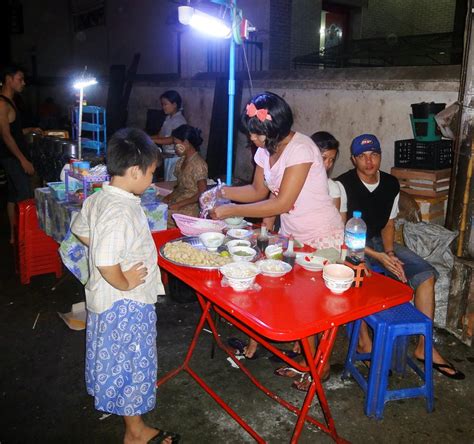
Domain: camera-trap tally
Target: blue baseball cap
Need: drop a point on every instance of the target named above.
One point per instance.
(363, 143)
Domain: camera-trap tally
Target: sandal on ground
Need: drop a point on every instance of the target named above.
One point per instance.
(288, 372)
(162, 435)
(458, 375)
(305, 381)
(239, 347)
(289, 353)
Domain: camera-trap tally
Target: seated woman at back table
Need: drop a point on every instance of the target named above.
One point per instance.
(171, 105)
(289, 169)
(190, 172)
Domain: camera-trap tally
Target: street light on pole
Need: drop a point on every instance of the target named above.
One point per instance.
(216, 27)
(80, 84)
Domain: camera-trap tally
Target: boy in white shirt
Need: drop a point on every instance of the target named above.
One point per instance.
(121, 357)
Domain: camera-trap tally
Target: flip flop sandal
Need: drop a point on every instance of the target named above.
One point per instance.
(239, 347)
(162, 435)
(289, 353)
(305, 381)
(457, 375)
(285, 372)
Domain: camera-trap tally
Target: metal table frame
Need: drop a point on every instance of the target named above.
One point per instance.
(212, 297)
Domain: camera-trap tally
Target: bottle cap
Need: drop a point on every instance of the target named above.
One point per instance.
(357, 214)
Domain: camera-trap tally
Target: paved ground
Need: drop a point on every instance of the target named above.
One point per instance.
(43, 399)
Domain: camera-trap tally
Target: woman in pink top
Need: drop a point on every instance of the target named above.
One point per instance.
(289, 180)
(290, 171)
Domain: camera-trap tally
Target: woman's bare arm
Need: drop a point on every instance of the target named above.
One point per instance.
(290, 188)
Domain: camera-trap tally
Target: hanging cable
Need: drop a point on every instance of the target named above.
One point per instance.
(248, 69)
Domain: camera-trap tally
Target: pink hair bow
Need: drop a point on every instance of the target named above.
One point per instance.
(262, 114)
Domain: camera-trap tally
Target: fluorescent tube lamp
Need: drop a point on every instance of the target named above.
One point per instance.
(203, 22)
(84, 83)
(80, 84)
(184, 14)
(237, 31)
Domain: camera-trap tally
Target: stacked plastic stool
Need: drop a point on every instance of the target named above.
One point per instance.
(36, 252)
(391, 331)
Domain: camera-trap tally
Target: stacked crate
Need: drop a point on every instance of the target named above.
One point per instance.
(429, 188)
(36, 252)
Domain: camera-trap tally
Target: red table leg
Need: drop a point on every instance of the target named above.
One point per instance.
(314, 367)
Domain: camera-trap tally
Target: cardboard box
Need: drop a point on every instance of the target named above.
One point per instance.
(423, 183)
(433, 210)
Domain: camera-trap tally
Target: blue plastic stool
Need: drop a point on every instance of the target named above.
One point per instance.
(391, 329)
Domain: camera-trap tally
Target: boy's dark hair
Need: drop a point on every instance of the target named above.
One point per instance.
(325, 141)
(131, 147)
(275, 129)
(10, 70)
(173, 97)
(189, 133)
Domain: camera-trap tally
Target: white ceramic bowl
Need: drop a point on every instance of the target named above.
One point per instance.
(239, 233)
(337, 287)
(212, 240)
(274, 251)
(338, 278)
(240, 275)
(310, 262)
(338, 272)
(238, 243)
(242, 254)
(273, 268)
(233, 220)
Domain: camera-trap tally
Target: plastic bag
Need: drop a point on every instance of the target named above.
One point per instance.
(210, 199)
(431, 242)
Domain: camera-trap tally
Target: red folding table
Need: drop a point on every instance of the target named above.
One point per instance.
(290, 308)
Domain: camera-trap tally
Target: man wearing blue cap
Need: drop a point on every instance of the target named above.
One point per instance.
(375, 193)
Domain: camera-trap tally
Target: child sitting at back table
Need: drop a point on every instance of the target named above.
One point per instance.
(121, 357)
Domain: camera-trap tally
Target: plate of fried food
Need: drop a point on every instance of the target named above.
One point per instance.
(191, 252)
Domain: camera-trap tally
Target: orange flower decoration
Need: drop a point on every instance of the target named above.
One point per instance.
(261, 114)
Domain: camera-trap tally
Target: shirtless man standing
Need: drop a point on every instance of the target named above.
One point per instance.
(14, 155)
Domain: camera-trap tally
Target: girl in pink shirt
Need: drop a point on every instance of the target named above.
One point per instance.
(290, 171)
(289, 180)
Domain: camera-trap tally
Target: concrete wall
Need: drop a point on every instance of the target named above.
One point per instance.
(345, 102)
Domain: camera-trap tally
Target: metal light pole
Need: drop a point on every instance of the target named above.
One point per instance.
(186, 16)
(79, 123)
(230, 123)
(80, 85)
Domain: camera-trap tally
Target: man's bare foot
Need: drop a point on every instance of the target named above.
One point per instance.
(250, 350)
(288, 372)
(437, 359)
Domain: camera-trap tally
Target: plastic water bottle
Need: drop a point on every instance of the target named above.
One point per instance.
(355, 235)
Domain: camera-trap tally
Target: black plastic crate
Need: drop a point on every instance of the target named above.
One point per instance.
(424, 155)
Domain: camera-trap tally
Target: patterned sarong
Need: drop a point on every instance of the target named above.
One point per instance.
(121, 359)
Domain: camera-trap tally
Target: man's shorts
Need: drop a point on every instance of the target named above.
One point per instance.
(417, 270)
(18, 182)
